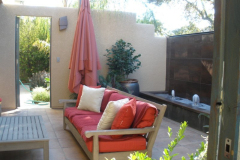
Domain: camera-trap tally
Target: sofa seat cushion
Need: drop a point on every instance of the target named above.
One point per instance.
(85, 123)
(73, 111)
(126, 143)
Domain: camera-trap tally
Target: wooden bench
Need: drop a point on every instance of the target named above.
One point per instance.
(23, 132)
(151, 132)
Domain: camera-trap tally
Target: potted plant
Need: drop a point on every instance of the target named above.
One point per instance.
(121, 62)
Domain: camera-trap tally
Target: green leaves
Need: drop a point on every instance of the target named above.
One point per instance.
(121, 60)
(139, 156)
(34, 45)
(167, 153)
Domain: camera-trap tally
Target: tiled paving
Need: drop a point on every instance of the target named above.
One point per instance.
(63, 145)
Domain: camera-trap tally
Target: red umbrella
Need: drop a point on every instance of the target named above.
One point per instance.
(84, 61)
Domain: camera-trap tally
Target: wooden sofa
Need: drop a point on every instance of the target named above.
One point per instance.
(150, 133)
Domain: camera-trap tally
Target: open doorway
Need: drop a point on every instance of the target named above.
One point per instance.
(33, 37)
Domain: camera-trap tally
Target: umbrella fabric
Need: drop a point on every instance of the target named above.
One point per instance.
(84, 61)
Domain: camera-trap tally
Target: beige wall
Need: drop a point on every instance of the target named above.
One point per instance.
(109, 27)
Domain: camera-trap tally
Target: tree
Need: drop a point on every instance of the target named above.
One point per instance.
(149, 18)
(34, 44)
(195, 10)
(191, 28)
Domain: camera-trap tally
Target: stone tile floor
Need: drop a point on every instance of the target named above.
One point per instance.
(63, 145)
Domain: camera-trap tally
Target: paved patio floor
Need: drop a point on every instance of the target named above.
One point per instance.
(63, 145)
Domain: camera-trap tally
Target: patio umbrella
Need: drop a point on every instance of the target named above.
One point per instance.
(84, 61)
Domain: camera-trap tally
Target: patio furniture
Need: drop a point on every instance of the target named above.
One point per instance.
(98, 144)
(22, 133)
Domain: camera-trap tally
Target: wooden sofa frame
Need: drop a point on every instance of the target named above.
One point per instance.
(151, 132)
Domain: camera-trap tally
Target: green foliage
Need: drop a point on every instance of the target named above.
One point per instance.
(191, 28)
(96, 4)
(121, 61)
(206, 115)
(39, 79)
(149, 18)
(73, 96)
(139, 156)
(201, 153)
(34, 44)
(194, 11)
(40, 94)
(167, 153)
(110, 81)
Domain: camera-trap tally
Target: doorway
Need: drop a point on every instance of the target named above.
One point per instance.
(33, 53)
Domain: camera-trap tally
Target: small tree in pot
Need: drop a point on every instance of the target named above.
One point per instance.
(121, 63)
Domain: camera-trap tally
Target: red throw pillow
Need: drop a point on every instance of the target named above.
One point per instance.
(148, 118)
(80, 92)
(124, 117)
(107, 94)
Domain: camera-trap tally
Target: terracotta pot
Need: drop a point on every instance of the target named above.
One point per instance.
(131, 86)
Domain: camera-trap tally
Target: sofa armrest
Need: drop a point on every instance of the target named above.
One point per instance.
(89, 134)
(68, 102)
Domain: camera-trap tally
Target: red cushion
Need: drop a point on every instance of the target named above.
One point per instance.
(128, 143)
(117, 96)
(80, 93)
(85, 123)
(71, 112)
(148, 118)
(124, 117)
(145, 115)
(107, 94)
(80, 121)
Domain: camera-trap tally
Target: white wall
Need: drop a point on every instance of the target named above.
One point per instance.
(109, 27)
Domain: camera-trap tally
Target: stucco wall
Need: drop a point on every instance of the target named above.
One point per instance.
(109, 27)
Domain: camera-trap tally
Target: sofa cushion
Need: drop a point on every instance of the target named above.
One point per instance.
(73, 111)
(85, 123)
(130, 143)
(110, 112)
(107, 94)
(80, 93)
(145, 115)
(148, 118)
(124, 117)
(80, 121)
(91, 99)
(117, 96)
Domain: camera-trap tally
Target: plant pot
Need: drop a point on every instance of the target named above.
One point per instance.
(131, 86)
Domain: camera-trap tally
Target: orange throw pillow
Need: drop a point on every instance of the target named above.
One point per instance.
(148, 118)
(124, 117)
(80, 92)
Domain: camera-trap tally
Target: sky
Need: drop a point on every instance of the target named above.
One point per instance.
(171, 16)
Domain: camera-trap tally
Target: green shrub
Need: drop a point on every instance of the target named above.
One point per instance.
(139, 156)
(201, 153)
(40, 94)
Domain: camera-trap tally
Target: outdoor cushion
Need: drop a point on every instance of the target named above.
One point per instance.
(129, 143)
(80, 121)
(124, 117)
(107, 94)
(148, 118)
(80, 93)
(142, 109)
(91, 99)
(85, 123)
(117, 96)
(110, 112)
(73, 111)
